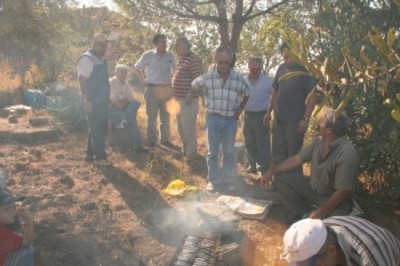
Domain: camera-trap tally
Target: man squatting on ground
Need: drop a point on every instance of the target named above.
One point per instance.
(334, 172)
(340, 241)
(255, 132)
(124, 107)
(15, 249)
(226, 93)
(95, 91)
(188, 68)
(158, 65)
(291, 112)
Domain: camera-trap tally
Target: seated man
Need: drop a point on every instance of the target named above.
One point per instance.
(342, 240)
(334, 171)
(15, 248)
(124, 107)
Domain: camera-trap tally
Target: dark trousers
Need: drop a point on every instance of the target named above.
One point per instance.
(299, 198)
(97, 130)
(256, 140)
(286, 141)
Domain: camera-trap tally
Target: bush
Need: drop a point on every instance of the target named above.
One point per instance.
(71, 113)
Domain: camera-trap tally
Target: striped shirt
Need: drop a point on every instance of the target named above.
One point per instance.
(222, 99)
(365, 243)
(188, 68)
(158, 67)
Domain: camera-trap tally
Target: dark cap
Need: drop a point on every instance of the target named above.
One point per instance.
(6, 197)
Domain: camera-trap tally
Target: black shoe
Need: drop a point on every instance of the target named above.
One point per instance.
(168, 144)
(141, 150)
(151, 144)
(89, 158)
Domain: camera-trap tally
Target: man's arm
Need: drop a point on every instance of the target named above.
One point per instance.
(87, 104)
(27, 220)
(267, 117)
(310, 104)
(140, 76)
(332, 203)
(240, 109)
(288, 164)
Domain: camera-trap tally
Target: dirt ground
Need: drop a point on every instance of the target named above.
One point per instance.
(118, 215)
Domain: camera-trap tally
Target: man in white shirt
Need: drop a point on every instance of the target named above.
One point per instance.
(157, 65)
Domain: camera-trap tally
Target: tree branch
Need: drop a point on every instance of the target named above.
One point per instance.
(268, 10)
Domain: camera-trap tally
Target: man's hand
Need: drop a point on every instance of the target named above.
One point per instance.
(87, 106)
(266, 180)
(120, 104)
(239, 111)
(318, 214)
(303, 126)
(188, 99)
(267, 118)
(25, 215)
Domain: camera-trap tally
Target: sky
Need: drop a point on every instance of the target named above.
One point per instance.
(109, 3)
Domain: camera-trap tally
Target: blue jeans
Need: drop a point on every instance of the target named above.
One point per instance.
(221, 131)
(129, 114)
(22, 257)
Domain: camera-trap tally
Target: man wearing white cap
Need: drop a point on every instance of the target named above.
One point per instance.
(341, 240)
(124, 107)
(95, 92)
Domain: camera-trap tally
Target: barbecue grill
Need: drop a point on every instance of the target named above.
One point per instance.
(197, 251)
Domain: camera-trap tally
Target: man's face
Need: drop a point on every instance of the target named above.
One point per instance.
(223, 60)
(255, 69)
(161, 46)
(180, 48)
(324, 130)
(7, 214)
(100, 48)
(121, 74)
(286, 58)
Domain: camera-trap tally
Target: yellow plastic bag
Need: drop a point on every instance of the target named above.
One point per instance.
(178, 187)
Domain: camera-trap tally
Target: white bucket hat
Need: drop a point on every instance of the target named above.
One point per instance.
(303, 240)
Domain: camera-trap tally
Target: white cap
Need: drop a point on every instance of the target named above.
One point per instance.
(121, 67)
(303, 240)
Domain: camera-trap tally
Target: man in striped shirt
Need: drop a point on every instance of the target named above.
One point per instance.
(188, 68)
(340, 240)
(226, 93)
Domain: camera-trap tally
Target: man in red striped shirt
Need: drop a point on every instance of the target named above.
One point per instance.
(188, 68)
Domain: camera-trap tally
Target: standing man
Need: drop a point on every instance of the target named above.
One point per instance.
(226, 94)
(334, 172)
(158, 65)
(124, 107)
(291, 111)
(255, 132)
(341, 241)
(95, 91)
(188, 68)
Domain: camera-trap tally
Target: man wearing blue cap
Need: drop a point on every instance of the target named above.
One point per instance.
(15, 249)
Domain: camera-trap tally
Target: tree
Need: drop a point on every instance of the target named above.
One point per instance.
(228, 15)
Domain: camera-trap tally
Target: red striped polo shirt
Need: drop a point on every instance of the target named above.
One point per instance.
(188, 68)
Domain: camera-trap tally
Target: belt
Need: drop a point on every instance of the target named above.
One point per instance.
(158, 84)
(258, 112)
